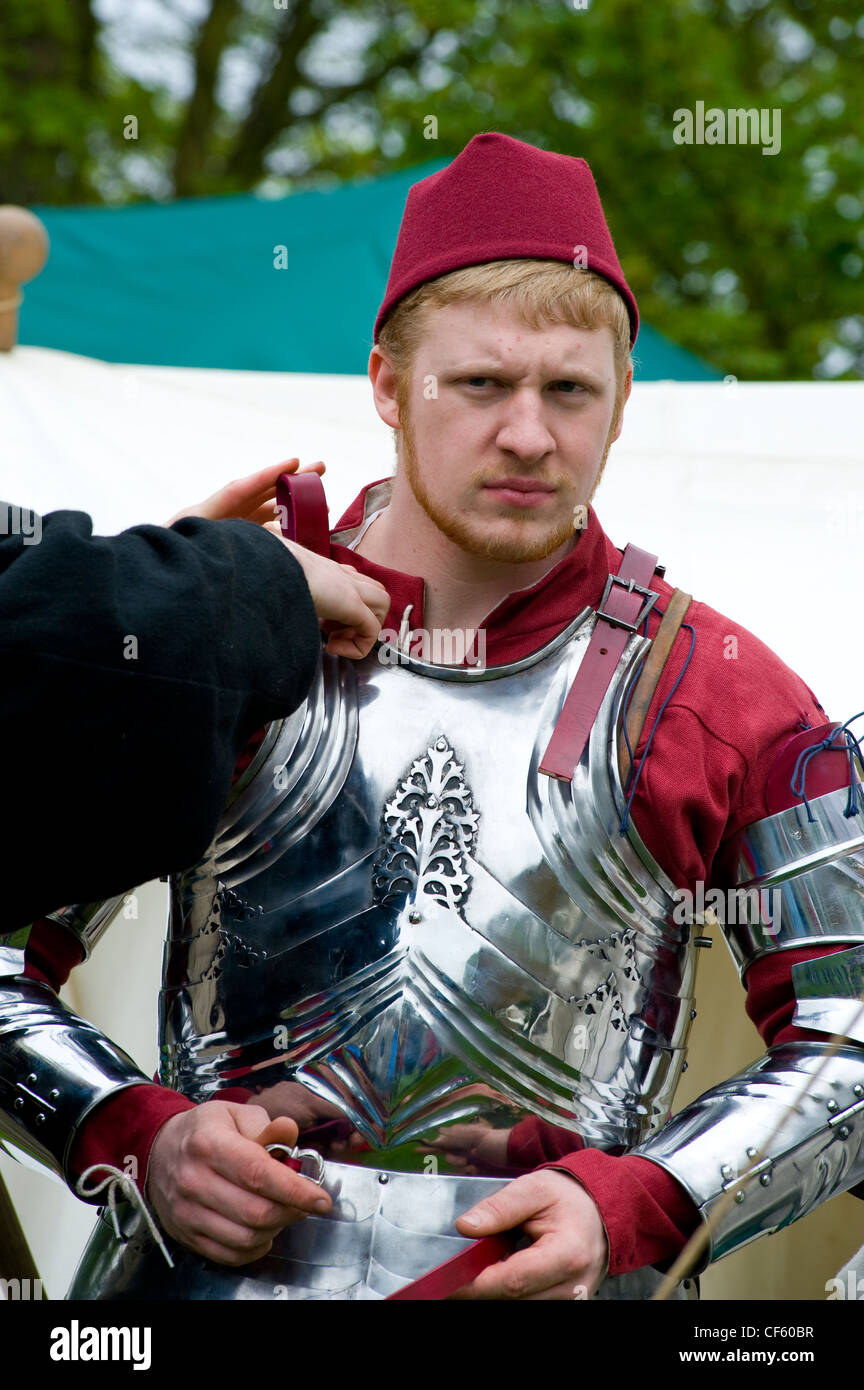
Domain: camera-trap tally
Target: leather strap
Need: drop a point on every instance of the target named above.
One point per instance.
(303, 514)
(652, 669)
(627, 600)
(459, 1270)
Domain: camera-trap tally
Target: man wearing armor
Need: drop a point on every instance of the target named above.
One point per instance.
(437, 935)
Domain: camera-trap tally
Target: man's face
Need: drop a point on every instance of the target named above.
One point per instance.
(518, 434)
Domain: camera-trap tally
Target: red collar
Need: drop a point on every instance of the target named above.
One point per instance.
(526, 619)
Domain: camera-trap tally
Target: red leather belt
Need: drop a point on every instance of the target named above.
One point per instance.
(626, 603)
(459, 1270)
(302, 511)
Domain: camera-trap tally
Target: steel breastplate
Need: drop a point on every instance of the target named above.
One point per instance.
(404, 935)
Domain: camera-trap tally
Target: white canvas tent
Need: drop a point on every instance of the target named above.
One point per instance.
(751, 494)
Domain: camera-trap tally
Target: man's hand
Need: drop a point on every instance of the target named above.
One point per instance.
(247, 499)
(215, 1189)
(351, 607)
(570, 1253)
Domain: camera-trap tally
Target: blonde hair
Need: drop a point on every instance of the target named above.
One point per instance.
(540, 291)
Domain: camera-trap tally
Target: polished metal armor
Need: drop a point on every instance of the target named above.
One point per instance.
(411, 941)
(401, 914)
(421, 948)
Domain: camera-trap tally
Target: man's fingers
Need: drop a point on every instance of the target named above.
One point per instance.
(226, 1213)
(245, 1164)
(282, 1130)
(243, 496)
(508, 1207)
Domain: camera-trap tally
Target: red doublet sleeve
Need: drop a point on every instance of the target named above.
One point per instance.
(647, 1214)
(122, 1129)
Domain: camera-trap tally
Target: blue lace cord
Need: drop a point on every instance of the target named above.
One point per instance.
(635, 773)
(798, 782)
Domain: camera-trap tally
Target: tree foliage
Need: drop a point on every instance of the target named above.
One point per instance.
(754, 261)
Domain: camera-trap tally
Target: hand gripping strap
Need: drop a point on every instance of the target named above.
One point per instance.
(620, 613)
(302, 510)
(459, 1270)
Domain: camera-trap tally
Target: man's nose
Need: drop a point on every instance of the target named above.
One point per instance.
(523, 430)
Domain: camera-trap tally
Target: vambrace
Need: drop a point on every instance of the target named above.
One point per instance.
(802, 870)
(54, 1068)
(818, 1152)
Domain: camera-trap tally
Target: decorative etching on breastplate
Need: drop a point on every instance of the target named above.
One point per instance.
(421, 948)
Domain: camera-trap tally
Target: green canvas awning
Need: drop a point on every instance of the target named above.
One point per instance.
(194, 283)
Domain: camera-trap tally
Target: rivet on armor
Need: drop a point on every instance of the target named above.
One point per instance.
(54, 1094)
(844, 1131)
(739, 1197)
(31, 1079)
(727, 1171)
(431, 800)
(415, 915)
(765, 1179)
(40, 1118)
(19, 1104)
(751, 1152)
(858, 1090)
(692, 1013)
(441, 744)
(383, 1178)
(684, 1066)
(832, 1105)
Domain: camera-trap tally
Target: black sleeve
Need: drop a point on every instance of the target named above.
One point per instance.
(133, 670)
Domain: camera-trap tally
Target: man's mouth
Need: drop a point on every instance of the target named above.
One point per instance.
(520, 492)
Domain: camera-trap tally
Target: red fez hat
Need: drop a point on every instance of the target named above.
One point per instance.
(500, 200)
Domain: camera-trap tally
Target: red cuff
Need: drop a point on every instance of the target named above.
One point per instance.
(121, 1131)
(647, 1214)
(51, 954)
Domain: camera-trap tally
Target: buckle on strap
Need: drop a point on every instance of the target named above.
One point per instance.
(631, 587)
(310, 1161)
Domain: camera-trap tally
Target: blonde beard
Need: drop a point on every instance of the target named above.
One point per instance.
(515, 550)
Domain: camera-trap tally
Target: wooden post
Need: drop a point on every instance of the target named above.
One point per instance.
(23, 253)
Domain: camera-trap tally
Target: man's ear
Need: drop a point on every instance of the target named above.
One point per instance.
(383, 381)
(628, 382)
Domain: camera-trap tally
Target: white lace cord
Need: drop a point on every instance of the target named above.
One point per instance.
(114, 1180)
(405, 632)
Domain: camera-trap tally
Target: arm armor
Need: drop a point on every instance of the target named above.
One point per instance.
(814, 870)
(55, 1067)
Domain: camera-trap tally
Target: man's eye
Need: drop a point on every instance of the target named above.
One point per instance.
(478, 380)
(574, 384)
